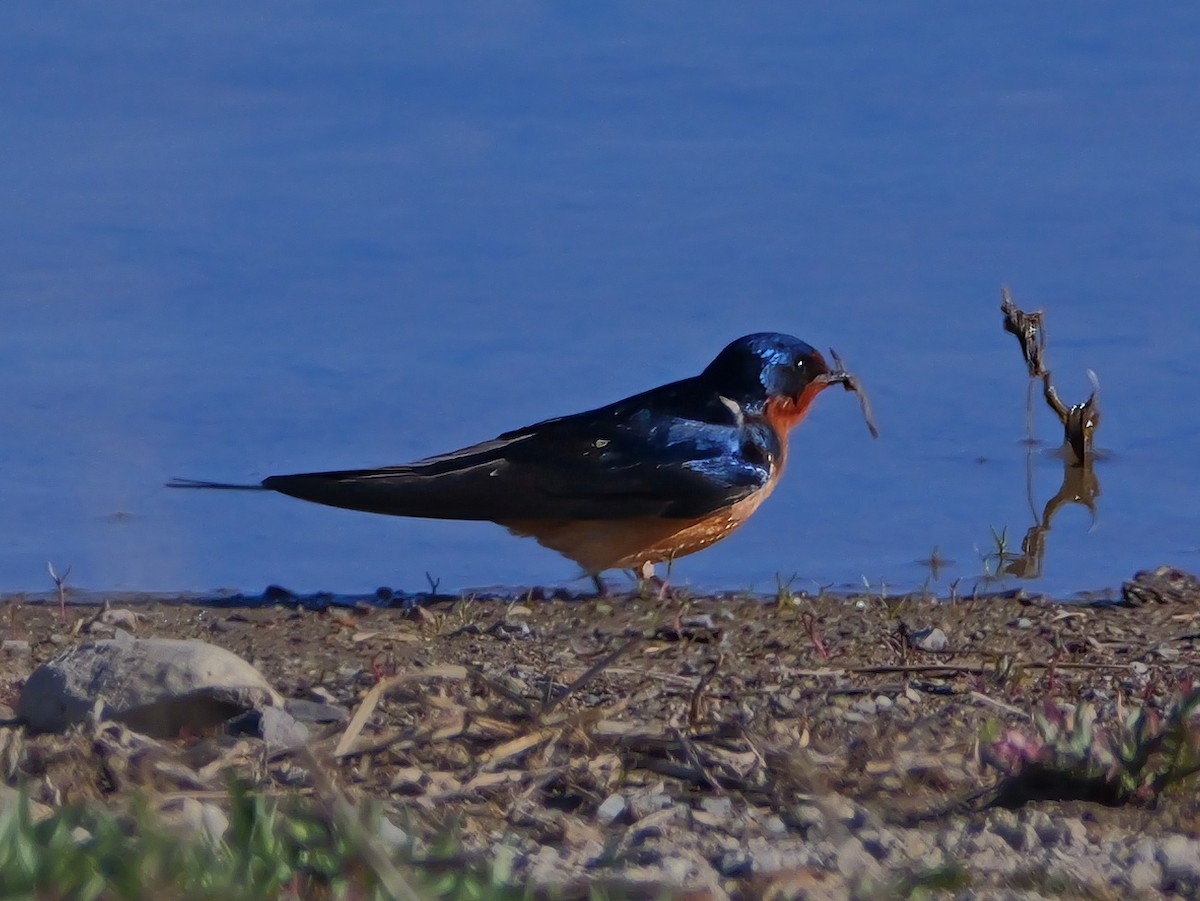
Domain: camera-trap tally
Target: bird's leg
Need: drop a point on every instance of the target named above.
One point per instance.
(601, 588)
(645, 577)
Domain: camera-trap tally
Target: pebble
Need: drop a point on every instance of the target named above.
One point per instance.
(866, 706)
(1180, 859)
(719, 807)
(855, 862)
(611, 810)
(1023, 622)
(1076, 831)
(807, 818)
(929, 639)
(774, 826)
(207, 821)
(734, 863)
(876, 843)
(15, 647)
(646, 802)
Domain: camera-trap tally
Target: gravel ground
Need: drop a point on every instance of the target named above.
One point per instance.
(821, 747)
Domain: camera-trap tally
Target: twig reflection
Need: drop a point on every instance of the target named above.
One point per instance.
(1079, 482)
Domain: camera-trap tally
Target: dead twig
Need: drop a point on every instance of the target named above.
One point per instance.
(367, 707)
(60, 584)
(701, 684)
(1079, 422)
(850, 382)
(693, 757)
(1030, 331)
(589, 674)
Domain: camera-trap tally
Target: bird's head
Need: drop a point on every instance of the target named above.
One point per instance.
(769, 372)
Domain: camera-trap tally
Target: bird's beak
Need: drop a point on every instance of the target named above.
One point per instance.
(842, 376)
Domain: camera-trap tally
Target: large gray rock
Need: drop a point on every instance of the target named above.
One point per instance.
(158, 686)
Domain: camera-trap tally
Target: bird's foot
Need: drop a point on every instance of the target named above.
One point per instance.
(647, 580)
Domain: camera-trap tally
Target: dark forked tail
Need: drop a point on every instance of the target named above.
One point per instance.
(226, 486)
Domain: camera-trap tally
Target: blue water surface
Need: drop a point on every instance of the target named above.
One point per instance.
(244, 239)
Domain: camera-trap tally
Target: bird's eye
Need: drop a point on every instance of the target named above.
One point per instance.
(799, 364)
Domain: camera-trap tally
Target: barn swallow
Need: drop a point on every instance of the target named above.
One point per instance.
(644, 480)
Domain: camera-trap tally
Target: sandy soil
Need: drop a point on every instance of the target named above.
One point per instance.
(648, 740)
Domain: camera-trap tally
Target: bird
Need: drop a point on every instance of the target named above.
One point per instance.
(639, 482)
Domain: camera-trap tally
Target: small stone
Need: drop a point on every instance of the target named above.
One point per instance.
(883, 702)
(1180, 859)
(645, 802)
(207, 821)
(774, 826)
(930, 639)
(509, 629)
(1051, 834)
(1023, 622)
(875, 843)
(734, 863)
(855, 862)
(391, 834)
(316, 712)
(1020, 836)
(866, 706)
(322, 695)
(280, 730)
(116, 618)
(611, 810)
(807, 818)
(11, 797)
(1168, 654)
(1141, 876)
(916, 844)
(1145, 851)
(14, 647)
(721, 807)
(1075, 832)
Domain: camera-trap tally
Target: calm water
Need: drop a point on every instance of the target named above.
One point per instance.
(235, 242)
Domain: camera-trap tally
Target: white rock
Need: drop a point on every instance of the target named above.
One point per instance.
(157, 686)
(931, 639)
(194, 817)
(1180, 859)
(611, 809)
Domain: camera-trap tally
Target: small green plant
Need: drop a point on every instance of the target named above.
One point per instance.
(275, 848)
(785, 597)
(994, 560)
(1133, 759)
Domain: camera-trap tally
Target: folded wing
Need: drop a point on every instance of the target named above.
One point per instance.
(619, 462)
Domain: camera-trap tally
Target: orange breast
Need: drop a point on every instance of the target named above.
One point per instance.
(600, 544)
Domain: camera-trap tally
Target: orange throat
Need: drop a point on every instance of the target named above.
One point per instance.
(784, 413)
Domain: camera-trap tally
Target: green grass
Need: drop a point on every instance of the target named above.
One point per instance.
(273, 848)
